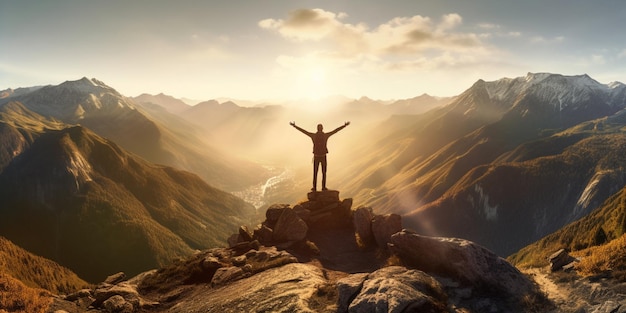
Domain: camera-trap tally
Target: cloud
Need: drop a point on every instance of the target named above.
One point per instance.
(488, 26)
(621, 54)
(598, 59)
(450, 21)
(543, 40)
(308, 24)
(398, 36)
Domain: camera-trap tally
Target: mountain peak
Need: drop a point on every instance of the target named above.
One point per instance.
(73, 100)
(87, 85)
(536, 77)
(615, 85)
(229, 104)
(575, 80)
(168, 102)
(548, 86)
(208, 104)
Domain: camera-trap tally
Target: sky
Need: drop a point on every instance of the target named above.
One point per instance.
(299, 49)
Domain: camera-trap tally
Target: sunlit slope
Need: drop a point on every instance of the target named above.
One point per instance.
(400, 144)
(189, 148)
(255, 132)
(601, 226)
(81, 200)
(493, 166)
(36, 271)
(508, 205)
(101, 108)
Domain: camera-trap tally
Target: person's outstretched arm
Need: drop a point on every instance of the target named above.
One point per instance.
(300, 129)
(339, 128)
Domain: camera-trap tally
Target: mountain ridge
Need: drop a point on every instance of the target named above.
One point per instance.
(473, 138)
(503, 164)
(73, 187)
(99, 107)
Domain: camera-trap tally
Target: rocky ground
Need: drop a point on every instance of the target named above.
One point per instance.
(322, 256)
(572, 293)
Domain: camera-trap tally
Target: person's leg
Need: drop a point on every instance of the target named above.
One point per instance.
(316, 163)
(324, 166)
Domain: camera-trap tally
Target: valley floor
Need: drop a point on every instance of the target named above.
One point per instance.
(572, 293)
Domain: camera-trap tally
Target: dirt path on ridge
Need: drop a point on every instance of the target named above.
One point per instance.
(571, 293)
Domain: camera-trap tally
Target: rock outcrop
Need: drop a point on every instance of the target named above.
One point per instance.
(265, 270)
(463, 261)
(290, 288)
(391, 289)
(384, 226)
(285, 226)
(362, 219)
(215, 268)
(560, 260)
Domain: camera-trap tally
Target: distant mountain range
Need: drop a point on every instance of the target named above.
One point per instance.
(80, 199)
(93, 104)
(503, 164)
(506, 163)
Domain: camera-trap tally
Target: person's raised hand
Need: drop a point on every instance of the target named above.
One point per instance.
(346, 124)
(292, 123)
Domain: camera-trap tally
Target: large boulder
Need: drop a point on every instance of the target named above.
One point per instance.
(559, 259)
(124, 290)
(226, 274)
(392, 289)
(362, 220)
(264, 234)
(461, 260)
(244, 233)
(348, 288)
(383, 226)
(273, 213)
(117, 304)
(115, 278)
(303, 213)
(289, 227)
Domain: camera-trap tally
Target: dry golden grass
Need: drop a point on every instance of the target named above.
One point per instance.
(394, 260)
(35, 271)
(610, 256)
(606, 224)
(16, 297)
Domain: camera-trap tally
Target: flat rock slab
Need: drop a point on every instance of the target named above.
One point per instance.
(283, 289)
(324, 196)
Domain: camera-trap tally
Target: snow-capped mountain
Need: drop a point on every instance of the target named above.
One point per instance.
(562, 92)
(505, 163)
(99, 107)
(73, 101)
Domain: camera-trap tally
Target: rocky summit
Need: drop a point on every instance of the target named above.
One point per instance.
(320, 255)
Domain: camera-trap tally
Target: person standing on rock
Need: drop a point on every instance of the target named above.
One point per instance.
(319, 150)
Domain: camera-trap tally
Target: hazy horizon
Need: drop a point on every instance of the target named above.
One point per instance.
(305, 49)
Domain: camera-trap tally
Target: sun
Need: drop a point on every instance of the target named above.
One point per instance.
(313, 83)
(317, 75)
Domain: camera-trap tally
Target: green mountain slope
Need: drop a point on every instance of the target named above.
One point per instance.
(81, 200)
(35, 271)
(504, 164)
(513, 204)
(93, 104)
(604, 224)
